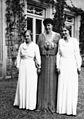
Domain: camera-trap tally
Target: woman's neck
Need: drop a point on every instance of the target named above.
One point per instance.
(48, 33)
(67, 38)
(27, 43)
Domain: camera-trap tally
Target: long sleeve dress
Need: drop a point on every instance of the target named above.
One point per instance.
(26, 91)
(47, 84)
(68, 61)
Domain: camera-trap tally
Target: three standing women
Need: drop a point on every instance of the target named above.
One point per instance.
(68, 64)
(26, 91)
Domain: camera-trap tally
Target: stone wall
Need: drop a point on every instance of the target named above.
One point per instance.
(1, 38)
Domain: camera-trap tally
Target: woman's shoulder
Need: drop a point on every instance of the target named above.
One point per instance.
(21, 45)
(56, 37)
(41, 35)
(61, 41)
(74, 40)
(41, 39)
(56, 33)
(35, 45)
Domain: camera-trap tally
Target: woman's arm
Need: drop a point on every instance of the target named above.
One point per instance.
(37, 58)
(58, 59)
(77, 55)
(18, 58)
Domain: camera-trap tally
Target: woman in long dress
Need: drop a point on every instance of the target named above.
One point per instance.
(47, 84)
(26, 91)
(68, 65)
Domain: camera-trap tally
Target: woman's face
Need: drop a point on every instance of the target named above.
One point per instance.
(65, 33)
(27, 37)
(48, 28)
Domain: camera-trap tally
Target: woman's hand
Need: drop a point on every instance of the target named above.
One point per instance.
(78, 70)
(58, 70)
(38, 70)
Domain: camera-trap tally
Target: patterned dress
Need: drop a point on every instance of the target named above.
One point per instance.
(47, 84)
(26, 91)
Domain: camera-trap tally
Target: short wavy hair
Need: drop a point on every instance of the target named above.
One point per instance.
(47, 21)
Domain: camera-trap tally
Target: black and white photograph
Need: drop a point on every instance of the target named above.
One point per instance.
(41, 59)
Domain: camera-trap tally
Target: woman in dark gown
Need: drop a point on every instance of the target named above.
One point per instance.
(47, 84)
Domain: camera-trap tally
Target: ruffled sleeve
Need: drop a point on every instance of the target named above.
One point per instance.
(37, 57)
(57, 37)
(18, 59)
(77, 54)
(58, 57)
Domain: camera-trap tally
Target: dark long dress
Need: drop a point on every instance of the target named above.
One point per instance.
(47, 84)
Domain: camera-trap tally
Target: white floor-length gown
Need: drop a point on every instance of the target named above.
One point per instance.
(26, 91)
(68, 60)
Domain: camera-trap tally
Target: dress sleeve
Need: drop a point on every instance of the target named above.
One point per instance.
(56, 38)
(58, 58)
(37, 56)
(77, 55)
(18, 58)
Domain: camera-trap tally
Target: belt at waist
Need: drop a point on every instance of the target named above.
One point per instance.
(23, 57)
(48, 54)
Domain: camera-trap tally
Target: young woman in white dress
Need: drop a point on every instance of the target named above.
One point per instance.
(69, 66)
(26, 91)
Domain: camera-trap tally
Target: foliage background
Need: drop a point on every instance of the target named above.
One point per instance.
(59, 15)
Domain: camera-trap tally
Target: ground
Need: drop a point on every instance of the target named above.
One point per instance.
(8, 111)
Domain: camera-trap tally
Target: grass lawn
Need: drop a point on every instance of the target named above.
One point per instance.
(7, 111)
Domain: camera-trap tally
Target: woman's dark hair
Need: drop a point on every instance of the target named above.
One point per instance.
(67, 27)
(47, 21)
